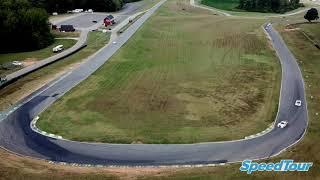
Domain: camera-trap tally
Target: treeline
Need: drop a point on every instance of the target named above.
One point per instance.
(62, 6)
(23, 27)
(24, 24)
(277, 6)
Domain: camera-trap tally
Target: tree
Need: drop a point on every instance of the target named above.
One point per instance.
(312, 14)
(23, 27)
(278, 6)
(105, 5)
(62, 6)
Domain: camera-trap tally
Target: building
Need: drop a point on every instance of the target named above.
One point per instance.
(109, 20)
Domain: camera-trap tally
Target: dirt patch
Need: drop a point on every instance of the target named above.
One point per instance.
(17, 166)
(291, 29)
(29, 62)
(137, 142)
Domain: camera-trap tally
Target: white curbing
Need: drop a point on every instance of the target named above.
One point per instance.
(37, 130)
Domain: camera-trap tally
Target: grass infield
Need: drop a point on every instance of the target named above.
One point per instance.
(186, 76)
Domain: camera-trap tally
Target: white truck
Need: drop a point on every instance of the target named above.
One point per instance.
(57, 49)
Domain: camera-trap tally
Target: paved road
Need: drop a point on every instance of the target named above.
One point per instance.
(17, 136)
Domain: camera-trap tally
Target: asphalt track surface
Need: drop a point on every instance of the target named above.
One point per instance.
(17, 136)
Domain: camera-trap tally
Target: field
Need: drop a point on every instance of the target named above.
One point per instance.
(308, 149)
(27, 84)
(228, 5)
(185, 77)
(312, 29)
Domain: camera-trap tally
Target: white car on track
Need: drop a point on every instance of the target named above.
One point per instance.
(282, 124)
(268, 26)
(298, 103)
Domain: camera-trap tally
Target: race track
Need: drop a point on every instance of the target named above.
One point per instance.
(17, 136)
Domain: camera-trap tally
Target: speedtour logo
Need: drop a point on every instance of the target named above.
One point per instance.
(284, 165)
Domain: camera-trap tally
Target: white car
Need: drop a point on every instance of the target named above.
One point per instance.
(298, 103)
(57, 48)
(282, 124)
(17, 63)
(114, 42)
(268, 26)
(77, 10)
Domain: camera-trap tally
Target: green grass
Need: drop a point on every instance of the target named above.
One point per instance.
(307, 150)
(59, 34)
(185, 77)
(9, 94)
(229, 5)
(36, 55)
(312, 29)
(124, 28)
(149, 4)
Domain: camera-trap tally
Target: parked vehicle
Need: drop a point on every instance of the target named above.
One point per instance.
(109, 20)
(77, 11)
(58, 48)
(54, 27)
(16, 63)
(67, 28)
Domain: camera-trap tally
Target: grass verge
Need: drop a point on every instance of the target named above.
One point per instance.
(124, 28)
(176, 82)
(59, 34)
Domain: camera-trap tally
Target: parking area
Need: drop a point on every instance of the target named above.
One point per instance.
(84, 20)
(91, 20)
